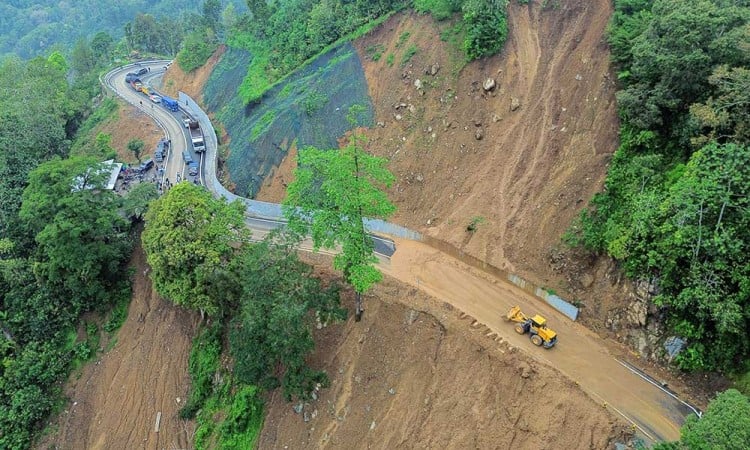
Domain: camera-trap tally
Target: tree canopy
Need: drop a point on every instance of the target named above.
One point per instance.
(278, 306)
(724, 426)
(674, 209)
(189, 238)
(332, 193)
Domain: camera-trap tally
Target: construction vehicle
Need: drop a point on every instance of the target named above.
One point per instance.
(536, 326)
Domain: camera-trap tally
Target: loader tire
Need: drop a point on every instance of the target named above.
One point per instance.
(520, 329)
(537, 340)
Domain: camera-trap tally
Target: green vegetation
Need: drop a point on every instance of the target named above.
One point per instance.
(725, 425)
(203, 364)
(262, 125)
(188, 239)
(230, 419)
(402, 38)
(675, 205)
(274, 327)
(314, 102)
(439, 9)
(284, 36)
(390, 59)
(332, 192)
(135, 146)
(409, 54)
(272, 302)
(35, 28)
(486, 27)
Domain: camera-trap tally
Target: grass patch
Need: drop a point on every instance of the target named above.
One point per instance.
(375, 52)
(409, 54)
(117, 315)
(230, 419)
(402, 39)
(260, 78)
(390, 59)
(285, 92)
(314, 102)
(204, 362)
(106, 110)
(741, 382)
(262, 125)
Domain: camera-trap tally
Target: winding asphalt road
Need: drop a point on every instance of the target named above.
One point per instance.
(654, 412)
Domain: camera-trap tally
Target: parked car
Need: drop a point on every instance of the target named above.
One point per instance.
(142, 71)
(130, 76)
(155, 98)
(146, 165)
(193, 168)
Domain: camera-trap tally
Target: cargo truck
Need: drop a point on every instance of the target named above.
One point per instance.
(196, 136)
(170, 103)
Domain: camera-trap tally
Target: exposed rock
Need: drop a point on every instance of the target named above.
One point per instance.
(515, 103)
(496, 118)
(432, 70)
(392, 391)
(412, 109)
(418, 84)
(419, 178)
(479, 134)
(398, 117)
(587, 280)
(525, 369)
(489, 84)
(638, 313)
(297, 408)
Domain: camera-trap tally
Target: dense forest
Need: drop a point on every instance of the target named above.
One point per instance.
(32, 28)
(675, 209)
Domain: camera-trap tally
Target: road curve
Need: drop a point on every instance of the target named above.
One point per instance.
(580, 354)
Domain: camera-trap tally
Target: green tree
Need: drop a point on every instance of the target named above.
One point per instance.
(135, 146)
(102, 45)
(331, 195)
(136, 202)
(82, 57)
(486, 27)
(82, 240)
(189, 238)
(724, 426)
(280, 301)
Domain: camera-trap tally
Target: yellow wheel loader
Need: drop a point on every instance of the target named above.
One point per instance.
(536, 326)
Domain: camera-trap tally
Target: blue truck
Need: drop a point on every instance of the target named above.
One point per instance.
(170, 103)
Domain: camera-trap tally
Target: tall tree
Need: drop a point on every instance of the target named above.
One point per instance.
(279, 304)
(135, 146)
(332, 193)
(188, 239)
(82, 239)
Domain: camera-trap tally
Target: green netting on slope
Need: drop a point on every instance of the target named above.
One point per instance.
(309, 108)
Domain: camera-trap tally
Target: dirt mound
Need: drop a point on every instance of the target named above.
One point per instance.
(191, 83)
(116, 400)
(404, 378)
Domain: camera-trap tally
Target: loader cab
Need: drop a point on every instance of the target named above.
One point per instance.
(538, 321)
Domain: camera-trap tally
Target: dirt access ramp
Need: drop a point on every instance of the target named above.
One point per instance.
(417, 374)
(117, 400)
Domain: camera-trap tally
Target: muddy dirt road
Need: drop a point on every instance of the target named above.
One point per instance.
(579, 353)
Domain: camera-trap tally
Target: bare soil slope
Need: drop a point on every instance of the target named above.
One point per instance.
(115, 401)
(535, 167)
(418, 375)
